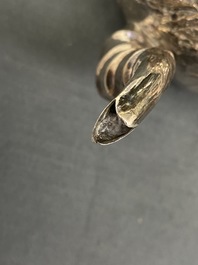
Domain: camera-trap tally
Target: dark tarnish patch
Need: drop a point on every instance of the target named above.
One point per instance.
(109, 127)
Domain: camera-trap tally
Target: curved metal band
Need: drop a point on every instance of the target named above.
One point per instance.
(136, 78)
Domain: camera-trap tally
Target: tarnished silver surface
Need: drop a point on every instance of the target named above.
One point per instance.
(139, 62)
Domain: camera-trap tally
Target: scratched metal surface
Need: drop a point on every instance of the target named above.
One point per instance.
(64, 200)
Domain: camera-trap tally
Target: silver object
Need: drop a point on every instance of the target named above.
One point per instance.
(139, 62)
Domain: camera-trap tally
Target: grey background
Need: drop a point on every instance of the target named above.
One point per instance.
(63, 199)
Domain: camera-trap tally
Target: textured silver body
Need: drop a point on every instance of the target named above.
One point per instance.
(138, 62)
(171, 24)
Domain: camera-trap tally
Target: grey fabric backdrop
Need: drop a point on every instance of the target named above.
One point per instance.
(63, 199)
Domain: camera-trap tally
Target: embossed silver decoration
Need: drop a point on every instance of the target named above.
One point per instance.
(140, 61)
